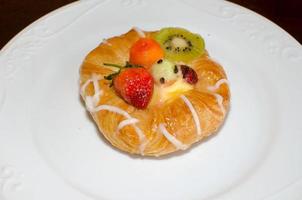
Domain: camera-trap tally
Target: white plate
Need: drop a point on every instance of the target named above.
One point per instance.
(50, 149)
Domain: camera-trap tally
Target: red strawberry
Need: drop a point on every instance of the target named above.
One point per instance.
(135, 86)
(189, 74)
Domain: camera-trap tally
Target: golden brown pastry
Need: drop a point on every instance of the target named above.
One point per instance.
(178, 114)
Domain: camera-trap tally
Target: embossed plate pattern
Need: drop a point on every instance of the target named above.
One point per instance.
(50, 149)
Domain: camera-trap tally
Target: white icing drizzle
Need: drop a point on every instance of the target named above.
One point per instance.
(111, 109)
(178, 144)
(218, 97)
(194, 113)
(106, 42)
(95, 78)
(91, 104)
(219, 100)
(84, 86)
(142, 139)
(127, 122)
(139, 32)
(218, 84)
(96, 97)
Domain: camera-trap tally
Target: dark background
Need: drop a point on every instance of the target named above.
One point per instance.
(17, 14)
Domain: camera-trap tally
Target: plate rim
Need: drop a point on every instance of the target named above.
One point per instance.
(17, 36)
(62, 8)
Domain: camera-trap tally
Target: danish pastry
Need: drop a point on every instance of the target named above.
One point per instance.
(153, 93)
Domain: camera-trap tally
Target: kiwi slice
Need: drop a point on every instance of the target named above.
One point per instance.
(180, 44)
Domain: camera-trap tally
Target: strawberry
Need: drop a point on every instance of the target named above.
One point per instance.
(134, 85)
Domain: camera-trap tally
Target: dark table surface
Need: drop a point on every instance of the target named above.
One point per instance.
(17, 14)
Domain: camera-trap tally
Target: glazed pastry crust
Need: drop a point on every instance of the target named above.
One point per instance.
(209, 102)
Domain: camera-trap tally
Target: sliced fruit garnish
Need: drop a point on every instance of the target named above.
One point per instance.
(145, 52)
(189, 74)
(120, 67)
(133, 84)
(164, 72)
(180, 44)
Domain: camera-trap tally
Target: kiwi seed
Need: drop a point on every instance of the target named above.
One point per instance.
(175, 69)
(162, 80)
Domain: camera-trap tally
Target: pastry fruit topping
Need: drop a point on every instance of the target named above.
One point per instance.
(164, 72)
(145, 52)
(180, 44)
(134, 85)
(189, 74)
